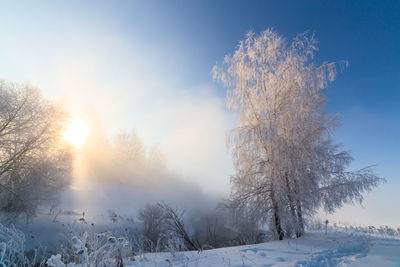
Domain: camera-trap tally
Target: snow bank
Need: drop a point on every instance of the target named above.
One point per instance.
(337, 248)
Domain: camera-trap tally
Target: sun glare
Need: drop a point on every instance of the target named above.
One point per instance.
(77, 133)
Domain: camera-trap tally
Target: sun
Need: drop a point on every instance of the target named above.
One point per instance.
(77, 132)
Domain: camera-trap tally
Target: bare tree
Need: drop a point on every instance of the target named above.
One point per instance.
(174, 221)
(34, 160)
(287, 165)
(152, 218)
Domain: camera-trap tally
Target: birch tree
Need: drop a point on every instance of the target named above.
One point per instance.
(287, 164)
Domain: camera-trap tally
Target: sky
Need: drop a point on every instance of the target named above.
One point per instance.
(145, 66)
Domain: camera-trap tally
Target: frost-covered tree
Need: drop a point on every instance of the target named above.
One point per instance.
(287, 165)
(34, 160)
(153, 219)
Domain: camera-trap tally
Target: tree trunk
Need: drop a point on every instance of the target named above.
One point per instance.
(292, 206)
(278, 227)
(277, 221)
(300, 230)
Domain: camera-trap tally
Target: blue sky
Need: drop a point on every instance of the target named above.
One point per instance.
(134, 62)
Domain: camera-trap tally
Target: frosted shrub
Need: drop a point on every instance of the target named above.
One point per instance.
(102, 249)
(173, 243)
(55, 261)
(12, 247)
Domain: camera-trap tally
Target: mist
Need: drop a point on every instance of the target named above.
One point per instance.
(122, 175)
(185, 123)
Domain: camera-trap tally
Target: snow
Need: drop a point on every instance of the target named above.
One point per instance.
(337, 248)
(384, 252)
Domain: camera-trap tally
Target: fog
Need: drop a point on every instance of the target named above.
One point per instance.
(118, 84)
(121, 174)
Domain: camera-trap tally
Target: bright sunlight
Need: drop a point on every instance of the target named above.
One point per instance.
(77, 132)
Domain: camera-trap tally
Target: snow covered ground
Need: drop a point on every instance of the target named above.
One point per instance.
(337, 248)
